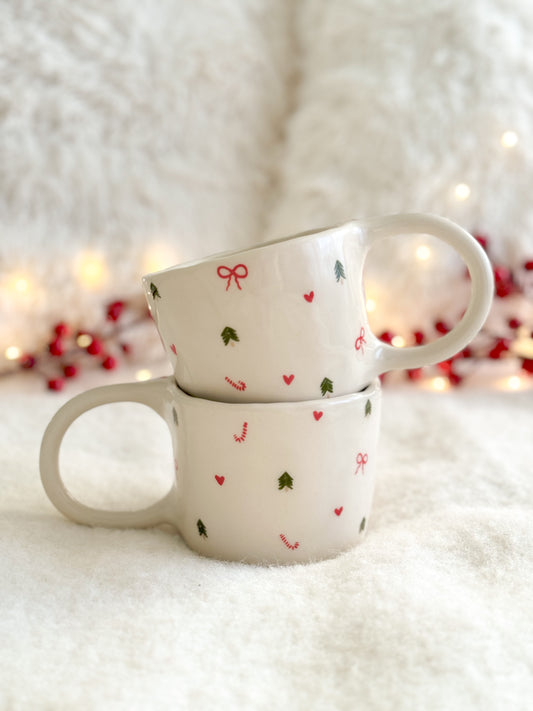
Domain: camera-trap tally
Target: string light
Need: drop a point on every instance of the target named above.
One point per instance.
(514, 382)
(84, 340)
(22, 285)
(143, 374)
(12, 352)
(462, 191)
(370, 305)
(509, 139)
(423, 252)
(440, 384)
(398, 341)
(91, 270)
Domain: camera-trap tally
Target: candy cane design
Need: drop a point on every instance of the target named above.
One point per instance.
(362, 460)
(238, 272)
(290, 546)
(360, 341)
(243, 433)
(239, 385)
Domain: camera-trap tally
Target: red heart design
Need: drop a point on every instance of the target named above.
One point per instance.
(317, 414)
(173, 349)
(220, 479)
(339, 511)
(310, 296)
(288, 379)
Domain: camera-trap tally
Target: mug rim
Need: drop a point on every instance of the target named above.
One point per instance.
(303, 236)
(372, 389)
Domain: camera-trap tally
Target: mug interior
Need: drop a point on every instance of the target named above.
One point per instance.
(229, 253)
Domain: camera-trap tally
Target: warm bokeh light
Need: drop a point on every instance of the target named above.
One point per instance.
(509, 139)
(143, 374)
(514, 382)
(440, 384)
(84, 340)
(157, 257)
(423, 252)
(22, 285)
(12, 352)
(91, 270)
(462, 191)
(370, 305)
(398, 341)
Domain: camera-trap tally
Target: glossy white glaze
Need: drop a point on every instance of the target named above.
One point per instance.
(269, 324)
(261, 483)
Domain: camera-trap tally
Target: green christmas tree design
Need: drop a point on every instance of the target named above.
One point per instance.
(326, 386)
(368, 408)
(339, 270)
(362, 526)
(229, 334)
(285, 481)
(202, 530)
(155, 291)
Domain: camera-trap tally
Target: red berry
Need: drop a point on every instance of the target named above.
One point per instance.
(70, 371)
(455, 379)
(109, 363)
(114, 310)
(514, 323)
(126, 348)
(442, 327)
(445, 366)
(528, 266)
(527, 365)
(95, 347)
(466, 353)
(56, 384)
(27, 361)
(483, 241)
(386, 336)
(419, 337)
(56, 347)
(504, 281)
(499, 348)
(61, 330)
(415, 373)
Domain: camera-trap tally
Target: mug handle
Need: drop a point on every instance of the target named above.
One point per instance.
(482, 280)
(155, 394)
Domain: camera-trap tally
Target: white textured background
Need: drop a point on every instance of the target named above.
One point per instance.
(397, 103)
(127, 126)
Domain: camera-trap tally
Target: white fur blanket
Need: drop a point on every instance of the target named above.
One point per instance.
(432, 611)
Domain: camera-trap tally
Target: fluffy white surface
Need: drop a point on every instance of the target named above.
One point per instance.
(432, 611)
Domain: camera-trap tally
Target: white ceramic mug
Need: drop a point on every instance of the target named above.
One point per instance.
(287, 320)
(260, 482)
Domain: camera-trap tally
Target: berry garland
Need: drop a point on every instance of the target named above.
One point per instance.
(488, 345)
(71, 350)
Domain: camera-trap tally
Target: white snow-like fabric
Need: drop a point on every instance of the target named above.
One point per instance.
(130, 130)
(432, 611)
(397, 103)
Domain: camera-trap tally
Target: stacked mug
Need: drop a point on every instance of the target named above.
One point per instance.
(274, 403)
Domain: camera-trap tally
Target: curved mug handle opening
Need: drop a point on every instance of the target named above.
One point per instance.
(154, 394)
(482, 282)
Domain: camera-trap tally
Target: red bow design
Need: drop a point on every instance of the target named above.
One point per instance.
(360, 341)
(238, 272)
(362, 459)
